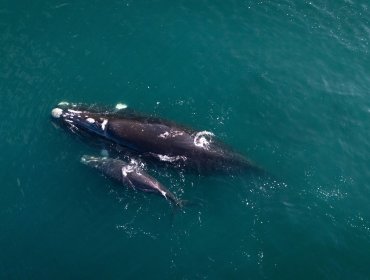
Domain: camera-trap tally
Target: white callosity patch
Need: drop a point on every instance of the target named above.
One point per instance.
(87, 159)
(90, 120)
(121, 106)
(203, 139)
(74, 111)
(103, 124)
(63, 103)
(83, 160)
(56, 112)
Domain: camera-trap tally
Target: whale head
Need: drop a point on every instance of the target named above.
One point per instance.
(80, 118)
(111, 168)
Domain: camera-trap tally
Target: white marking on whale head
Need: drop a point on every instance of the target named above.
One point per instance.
(63, 103)
(120, 106)
(203, 139)
(90, 120)
(87, 159)
(56, 112)
(74, 111)
(103, 124)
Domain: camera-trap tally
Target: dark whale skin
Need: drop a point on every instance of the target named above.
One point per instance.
(130, 175)
(154, 139)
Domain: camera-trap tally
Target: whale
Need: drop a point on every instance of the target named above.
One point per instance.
(131, 175)
(151, 138)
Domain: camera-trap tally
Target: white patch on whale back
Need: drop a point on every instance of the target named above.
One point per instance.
(120, 106)
(203, 139)
(163, 193)
(170, 159)
(173, 133)
(127, 169)
(103, 124)
(164, 135)
(90, 120)
(176, 133)
(56, 112)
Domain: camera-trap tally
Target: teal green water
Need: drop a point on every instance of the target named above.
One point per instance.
(284, 82)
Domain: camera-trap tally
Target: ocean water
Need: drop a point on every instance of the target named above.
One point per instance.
(286, 83)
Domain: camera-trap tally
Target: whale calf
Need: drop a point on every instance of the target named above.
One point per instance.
(131, 176)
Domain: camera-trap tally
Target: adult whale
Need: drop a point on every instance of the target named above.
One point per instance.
(130, 175)
(152, 138)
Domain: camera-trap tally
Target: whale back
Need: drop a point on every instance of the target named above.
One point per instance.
(151, 137)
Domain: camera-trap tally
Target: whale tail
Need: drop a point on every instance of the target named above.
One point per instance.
(181, 203)
(184, 203)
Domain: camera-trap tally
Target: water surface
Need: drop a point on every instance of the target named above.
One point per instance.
(286, 83)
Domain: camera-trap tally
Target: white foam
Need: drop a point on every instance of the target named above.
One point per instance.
(203, 139)
(56, 112)
(127, 169)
